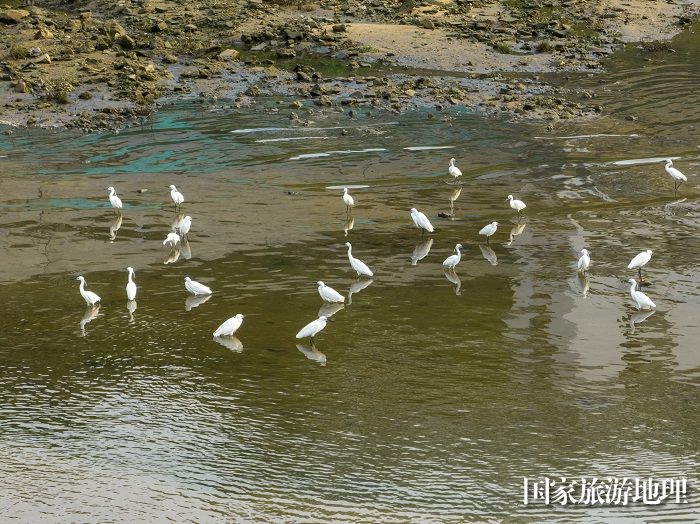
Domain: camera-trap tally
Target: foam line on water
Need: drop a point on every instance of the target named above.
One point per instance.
(277, 129)
(290, 139)
(341, 152)
(427, 148)
(597, 135)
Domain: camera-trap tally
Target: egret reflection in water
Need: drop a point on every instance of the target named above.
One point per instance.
(230, 343)
(114, 226)
(328, 309)
(454, 195)
(185, 249)
(356, 287)
(349, 224)
(173, 256)
(580, 284)
(453, 277)
(91, 313)
(639, 317)
(312, 353)
(193, 301)
(131, 307)
(516, 230)
(421, 250)
(489, 254)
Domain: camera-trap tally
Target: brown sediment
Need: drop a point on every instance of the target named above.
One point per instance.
(94, 65)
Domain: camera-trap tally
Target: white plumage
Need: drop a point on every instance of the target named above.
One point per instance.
(453, 170)
(421, 221)
(172, 239)
(358, 265)
(640, 299)
(90, 298)
(196, 288)
(584, 261)
(131, 285)
(421, 251)
(678, 177)
(489, 230)
(312, 328)
(184, 225)
(229, 327)
(451, 261)
(347, 198)
(640, 260)
(177, 197)
(516, 204)
(114, 199)
(328, 293)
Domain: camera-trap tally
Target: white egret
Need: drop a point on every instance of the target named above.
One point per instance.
(176, 196)
(196, 288)
(312, 353)
(488, 230)
(356, 287)
(488, 254)
(358, 265)
(678, 177)
(228, 328)
(312, 328)
(90, 298)
(117, 202)
(328, 293)
(421, 251)
(421, 221)
(640, 261)
(452, 261)
(453, 170)
(184, 225)
(584, 262)
(131, 285)
(516, 204)
(640, 299)
(347, 198)
(172, 239)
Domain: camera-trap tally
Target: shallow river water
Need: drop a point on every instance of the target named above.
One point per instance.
(428, 397)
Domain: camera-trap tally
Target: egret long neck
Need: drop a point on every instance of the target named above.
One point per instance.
(130, 276)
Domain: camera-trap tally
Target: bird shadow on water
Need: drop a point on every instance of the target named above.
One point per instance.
(312, 353)
(91, 313)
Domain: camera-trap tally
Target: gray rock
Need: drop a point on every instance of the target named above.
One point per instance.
(13, 16)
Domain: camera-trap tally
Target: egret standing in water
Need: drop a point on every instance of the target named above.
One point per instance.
(228, 328)
(172, 239)
(516, 204)
(90, 298)
(349, 201)
(421, 221)
(678, 177)
(328, 293)
(312, 328)
(584, 261)
(640, 299)
(452, 261)
(184, 225)
(453, 170)
(358, 265)
(131, 285)
(640, 261)
(488, 230)
(117, 202)
(177, 197)
(196, 288)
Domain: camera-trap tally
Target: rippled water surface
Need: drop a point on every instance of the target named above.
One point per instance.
(428, 397)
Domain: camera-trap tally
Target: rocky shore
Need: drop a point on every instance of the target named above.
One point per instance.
(95, 65)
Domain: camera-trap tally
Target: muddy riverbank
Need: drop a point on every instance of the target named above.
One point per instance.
(96, 65)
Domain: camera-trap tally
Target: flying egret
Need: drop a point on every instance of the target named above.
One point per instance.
(117, 202)
(131, 285)
(584, 262)
(358, 265)
(452, 261)
(640, 261)
(678, 177)
(349, 201)
(516, 204)
(640, 299)
(90, 298)
(489, 230)
(421, 221)
(312, 328)
(453, 170)
(177, 197)
(328, 293)
(196, 288)
(228, 328)
(421, 251)
(184, 225)
(172, 239)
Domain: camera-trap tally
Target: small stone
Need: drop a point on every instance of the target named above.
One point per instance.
(169, 59)
(34, 52)
(142, 190)
(253, 91)
(126, 42)
(287, 52)
(324, 100)
(43, 33)
(428, 24)
(339, 28)
(85, 95)
(43, 59)
(229, 54)
(159, 26)
(13, 16)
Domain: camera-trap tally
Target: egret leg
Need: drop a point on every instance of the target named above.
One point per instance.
(487, 240)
